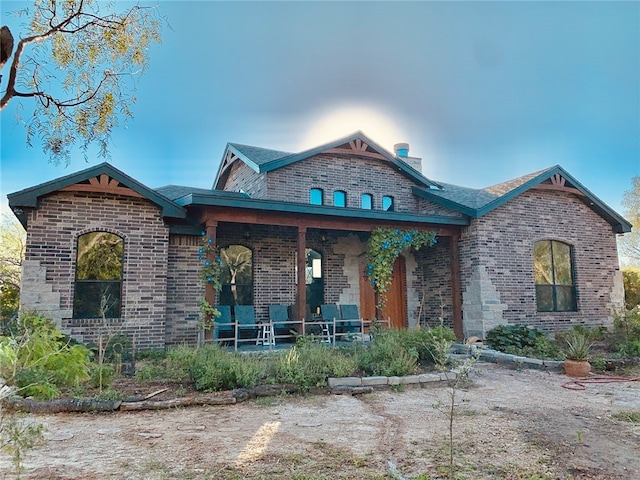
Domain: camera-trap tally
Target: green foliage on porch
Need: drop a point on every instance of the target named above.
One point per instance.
(383, 247)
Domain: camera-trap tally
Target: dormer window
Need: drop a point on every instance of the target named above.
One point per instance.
(316, 196)
(388, 205)
(366, 201)
(339, 198)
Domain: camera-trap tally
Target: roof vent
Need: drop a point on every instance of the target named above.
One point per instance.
(401, 149)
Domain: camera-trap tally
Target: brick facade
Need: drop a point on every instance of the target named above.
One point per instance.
(184, 290)
(51, 255)
(496, 253)
(161, 290)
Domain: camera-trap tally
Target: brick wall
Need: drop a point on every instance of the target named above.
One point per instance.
(496, 253)
(51, 254)
(242, 177)
(433, 284)
(184, 290)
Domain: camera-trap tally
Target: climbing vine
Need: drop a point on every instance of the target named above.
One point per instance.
(384, 246)
(210, 274)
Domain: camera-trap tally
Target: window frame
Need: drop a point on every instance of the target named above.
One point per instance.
(392, 205)
(336, 195)
(557, 292)
(227, 293)
(370, 199)
(82, 294)
(311, 195)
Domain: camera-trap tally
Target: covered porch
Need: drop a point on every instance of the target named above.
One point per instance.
(303, 260)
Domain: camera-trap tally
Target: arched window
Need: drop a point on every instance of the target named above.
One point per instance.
(339, 198)
(366, 201)
(237, 275)
(98, 283)
(316, 196)
(553, 275)
(388, 204)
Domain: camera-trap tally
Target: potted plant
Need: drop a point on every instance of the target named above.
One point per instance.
(577, 346)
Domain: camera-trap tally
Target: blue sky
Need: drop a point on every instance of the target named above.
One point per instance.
(482, 91)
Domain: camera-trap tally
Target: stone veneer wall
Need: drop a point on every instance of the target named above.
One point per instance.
(496, 253)
(50, 259)
(184, 290)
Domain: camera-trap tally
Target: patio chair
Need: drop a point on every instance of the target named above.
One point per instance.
(351, 322)
(245, 316)
(279, 318)
(330, 314)
(223, 324)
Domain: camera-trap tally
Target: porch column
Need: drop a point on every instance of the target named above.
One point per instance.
(456, 290)
(301, 294)
(209, 292)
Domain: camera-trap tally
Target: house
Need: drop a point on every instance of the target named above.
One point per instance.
(292, 228)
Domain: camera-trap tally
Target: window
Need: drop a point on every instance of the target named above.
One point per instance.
(388, 204)
(553, 275)
(313, 279)
(98, 283)
(237, 275)
(316, 196)
(366, 201)
(339, 198)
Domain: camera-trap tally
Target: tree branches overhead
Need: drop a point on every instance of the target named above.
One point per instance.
(78, 62)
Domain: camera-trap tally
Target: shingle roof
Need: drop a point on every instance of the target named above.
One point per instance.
(174, 192)
(259, 156)
(28, 198)
(478, 202)
(265, 160)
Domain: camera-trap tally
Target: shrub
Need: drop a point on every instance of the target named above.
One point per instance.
(309, 364)
(38, 359)
(215, 369)
(102, 375)
(625, 339)
(387, 355)
(521, 340)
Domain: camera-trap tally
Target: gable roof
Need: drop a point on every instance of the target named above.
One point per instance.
(263, 160)
(103, 177)
(478, 202)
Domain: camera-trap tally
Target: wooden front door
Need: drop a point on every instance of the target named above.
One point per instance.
(396, 307)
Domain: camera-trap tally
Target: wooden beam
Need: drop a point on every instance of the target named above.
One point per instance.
(456, 288)
(362, 153)
(209, 292)
(301, 294)
(288, 219)
(95, 185)
(558, 188)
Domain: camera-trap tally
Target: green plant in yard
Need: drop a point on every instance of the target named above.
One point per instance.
(17, 434)
(521, 340)
(309, 364)
(631, 416)
(39, 360)
(387, 355)
(625, 339)
(576, 345)
(216, 369)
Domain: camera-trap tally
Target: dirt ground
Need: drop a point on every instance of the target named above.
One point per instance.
(509, 424)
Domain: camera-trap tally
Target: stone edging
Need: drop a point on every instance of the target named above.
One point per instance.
(510, 361)
(341, 383)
